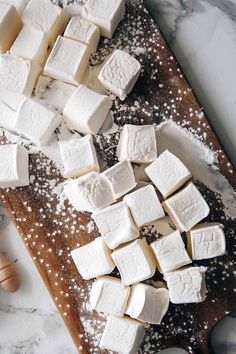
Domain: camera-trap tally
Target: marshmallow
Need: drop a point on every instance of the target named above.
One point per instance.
(144, 205)
(120, 73)
(7, 116)
(67, 61)
(116, 225)
(206, 241)
(83, 31)
(18, 4)
(137, 143)
(86, 110)
(30, 44)
(10, 25)
(135, 262)
(109, 296)
(14, 166)
(93, 259)
(168, 173)
(36, 122)
(17, 75)
(121, 178)
(89, 192)
(122, 335)
(186, 208)
(186, 285)
(106, 14)
(170, 252)
(147, 304)
(78, 157)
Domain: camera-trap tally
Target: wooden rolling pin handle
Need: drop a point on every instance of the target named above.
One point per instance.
(9, 279)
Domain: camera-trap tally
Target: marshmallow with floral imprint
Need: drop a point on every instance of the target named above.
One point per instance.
(10, 25)
(20, 5)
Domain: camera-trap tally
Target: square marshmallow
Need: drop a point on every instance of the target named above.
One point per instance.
(90, 192)
(121, 178)
(122, 335)
(93, 259)
(168, 173)
(18, 75)
(30, 44)
(186, 208)
(144, 205)
(7, 116)
(10, 25)
(206, 241)
(135, 262)
(186, 285)
(14, 166)
(109, 296)
(67, 61)
(78, 157)
(137, 144)
(36, 122)
(83, 31)
(148, 304)
(86, 110)
(20, 5)
(120, 73)
(104, 13)
(170, 253)
(116, 225)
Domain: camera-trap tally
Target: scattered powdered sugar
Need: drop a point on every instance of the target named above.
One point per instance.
(58, 190)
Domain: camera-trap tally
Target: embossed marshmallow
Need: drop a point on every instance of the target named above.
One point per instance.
(135, 262)
(170, 253)
(10, 25)
(206, 241)
(20, 5)
(93, 259)
(168, 173)
(104, 13)
(90, 192)
(137, 144)
(67, 61)
(86, 110)
(109, 296)
(186, 285)
(120, 73)
(144, 205)
(147, 304)
(14, 166)
(83, 31)
(122, 335)
(116, 224)
(186, 208)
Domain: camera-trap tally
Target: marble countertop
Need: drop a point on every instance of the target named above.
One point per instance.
(202, 34)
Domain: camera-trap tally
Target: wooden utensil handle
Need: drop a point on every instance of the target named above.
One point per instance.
(9, 279)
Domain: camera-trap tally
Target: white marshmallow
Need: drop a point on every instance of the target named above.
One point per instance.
(186, 285)
(106, 14)
(89, 192)
(93, 259)
(67, 61)
(20, 5)
(109, 296)
(30, 44)
(14, 166)
(120, 73)
(122, 335)
(7, 114)
(170, 252)
(46, 17)
(147, 304)
(206, 241)
(116, 225)
(121, 178)
(18, 75)
(135, 262)
(137, 144)
(168, 173)
(186, 208)
(86, 110)
(10, 25)
(144, 205)
(83, 31)
(78, 156)
(36, 122)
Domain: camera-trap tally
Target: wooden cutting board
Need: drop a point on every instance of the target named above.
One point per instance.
(50, 233)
